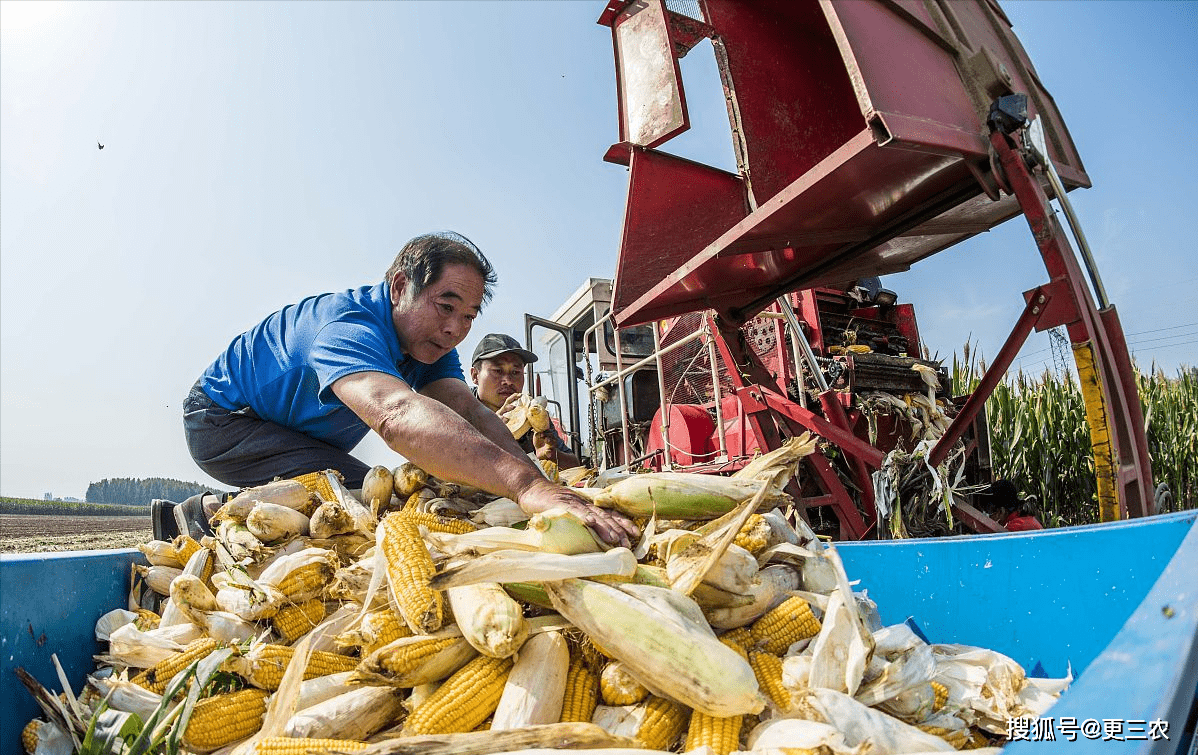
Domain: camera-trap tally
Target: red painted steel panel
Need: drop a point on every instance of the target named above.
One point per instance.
(675, 208)
(862, 126)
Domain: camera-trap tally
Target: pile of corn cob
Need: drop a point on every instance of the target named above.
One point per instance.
(410, 617)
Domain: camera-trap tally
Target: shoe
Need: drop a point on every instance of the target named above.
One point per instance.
(162, 516)
(191, 517)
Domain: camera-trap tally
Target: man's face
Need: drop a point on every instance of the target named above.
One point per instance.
(497, 378)
(430, 324)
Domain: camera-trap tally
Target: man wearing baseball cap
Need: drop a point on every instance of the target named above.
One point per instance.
(497, 369)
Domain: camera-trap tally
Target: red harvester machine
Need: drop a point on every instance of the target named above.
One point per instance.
(746, 306)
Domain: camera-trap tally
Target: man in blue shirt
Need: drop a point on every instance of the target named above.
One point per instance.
(298, 391)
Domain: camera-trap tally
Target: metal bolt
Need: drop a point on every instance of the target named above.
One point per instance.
(1035, 310)
(1040, 300)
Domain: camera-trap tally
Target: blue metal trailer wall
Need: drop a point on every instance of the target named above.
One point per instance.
(1048, 597)
(1052, 598)
(49, 604)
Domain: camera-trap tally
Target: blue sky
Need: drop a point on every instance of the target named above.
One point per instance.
(259, 152)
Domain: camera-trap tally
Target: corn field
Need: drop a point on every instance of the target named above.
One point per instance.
(1041, 442)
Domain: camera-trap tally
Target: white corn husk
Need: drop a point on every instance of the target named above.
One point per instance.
(734, 572)
(557, 530)
(324, 636)
(53, 739)
(251, 604)
(126, 696)
(289, 493)
(621, 720)
(536, 687)
(330, 518)
(771, 587)
(377, 488)
(909, 669)
(111, 621)
(129, 646)
(158, 578)
(242, 546)
(780, 529)
(364, 520)
(525, 566)
(353, 581)
(321, 688)
(839, 654)
(161, 553)
(778, 466)
(502, 512)
(796, 673)
(273, 523)
(913, 705)
(985, 683)
(800, 734)
(895, 640)
(491, 621)
(861, 724)
(406, 479)
(664, 641)
(193, 596)
(682, 495)
(355, 714)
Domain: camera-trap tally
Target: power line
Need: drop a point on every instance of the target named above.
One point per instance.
(1157, 330)
(1163, 338)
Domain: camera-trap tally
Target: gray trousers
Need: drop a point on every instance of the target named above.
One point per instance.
(241, 449)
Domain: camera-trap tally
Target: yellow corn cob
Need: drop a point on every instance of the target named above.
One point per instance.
(159, 675)
(464, 701)
(309, 579)
(437, 523)
(413, 502)
(305, 746)
(296, 620)
(722, 735)
(222, 719)
(664, 722)
(582, 691)
(146, 619)
(552, 471)
(29, 735)
(185, 546)
(409, 569)
(617, 687)
(318, 483)
(941, 697)
(740, 636)
(269, 663)
(784, 625)
(408, 658)
(754, 535)
(380, 628)
(767, 667)
(736, 644)
(485, 725)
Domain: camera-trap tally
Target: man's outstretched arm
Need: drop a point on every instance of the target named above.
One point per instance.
(440, 441)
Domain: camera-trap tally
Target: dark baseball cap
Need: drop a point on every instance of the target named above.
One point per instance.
(494, 344)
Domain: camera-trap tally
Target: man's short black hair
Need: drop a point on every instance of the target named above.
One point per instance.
(423, 259)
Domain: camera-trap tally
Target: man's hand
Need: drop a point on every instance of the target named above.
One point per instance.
(544, 442)
(612, 527)
(508, 405)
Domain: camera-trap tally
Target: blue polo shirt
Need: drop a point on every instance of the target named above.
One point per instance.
(284, 367)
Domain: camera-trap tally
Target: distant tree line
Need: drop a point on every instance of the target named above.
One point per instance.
(132, 492)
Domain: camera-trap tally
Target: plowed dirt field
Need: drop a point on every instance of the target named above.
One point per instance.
(24, 533)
